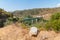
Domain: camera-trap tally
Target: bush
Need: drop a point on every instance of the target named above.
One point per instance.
(55, 16)
(54, 23)
(1, 24)
(23, 25)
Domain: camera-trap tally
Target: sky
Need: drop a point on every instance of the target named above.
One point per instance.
(11, 5)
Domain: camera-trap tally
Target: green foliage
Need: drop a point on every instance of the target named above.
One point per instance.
(23, 25)
(55, 16)
(37, 25)
(4, 15)
(1, 23)
(26, 16)
(54, 23)
(1, 10)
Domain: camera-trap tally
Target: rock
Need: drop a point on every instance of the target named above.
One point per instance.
(57, 37)
(33, 31)
(46, 35)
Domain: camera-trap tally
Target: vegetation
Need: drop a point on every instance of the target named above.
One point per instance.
(25, 17)
(36, 11)
(3, 17)
(54, 22)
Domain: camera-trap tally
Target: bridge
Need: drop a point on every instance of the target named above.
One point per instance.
(32, 20)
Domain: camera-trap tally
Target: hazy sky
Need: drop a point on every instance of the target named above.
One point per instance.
(11, 5)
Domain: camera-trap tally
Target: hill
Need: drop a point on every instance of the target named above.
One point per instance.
(13, 32)
(36, 11)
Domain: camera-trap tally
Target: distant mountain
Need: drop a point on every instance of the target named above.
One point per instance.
(36, 11)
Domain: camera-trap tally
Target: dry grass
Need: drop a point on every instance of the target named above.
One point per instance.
(13, 32)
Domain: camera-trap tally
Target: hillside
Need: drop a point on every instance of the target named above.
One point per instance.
(36, 11)
(13, 32)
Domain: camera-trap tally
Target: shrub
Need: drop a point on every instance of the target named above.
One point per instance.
(55, 16)
(23, 25)
(1, 24)
(54, 23)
